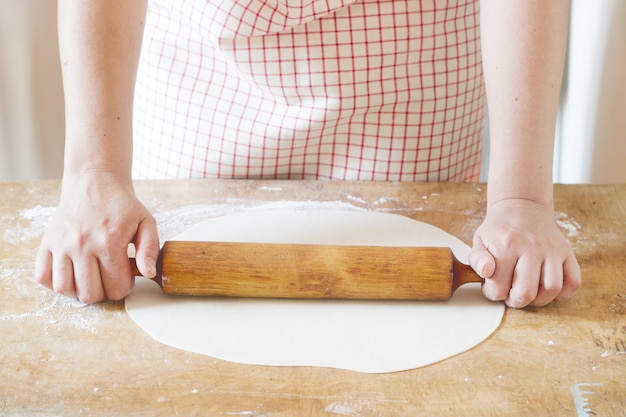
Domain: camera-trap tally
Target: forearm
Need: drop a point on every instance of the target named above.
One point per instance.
(523, 45)
(99, 42)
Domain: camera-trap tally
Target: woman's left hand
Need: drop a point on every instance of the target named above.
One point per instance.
(523, 256)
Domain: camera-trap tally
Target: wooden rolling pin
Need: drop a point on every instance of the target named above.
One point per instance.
(268, 270)
(262, 270)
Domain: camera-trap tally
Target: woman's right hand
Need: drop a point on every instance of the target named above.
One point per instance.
(84, 252)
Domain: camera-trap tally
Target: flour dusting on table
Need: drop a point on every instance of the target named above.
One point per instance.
(571, 226)
(30, 223)
(57, 309)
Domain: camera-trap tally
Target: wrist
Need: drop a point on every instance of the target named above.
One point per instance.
(540, 195)
(89, 175)
(106, 155)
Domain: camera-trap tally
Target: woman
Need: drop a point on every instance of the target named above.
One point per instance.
(345, 89)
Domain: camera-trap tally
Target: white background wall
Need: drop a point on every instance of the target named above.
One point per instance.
(591, 140)
(31, 101)
(591, 137)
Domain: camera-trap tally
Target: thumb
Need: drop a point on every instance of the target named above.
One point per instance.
(147, 247)
(481, 260)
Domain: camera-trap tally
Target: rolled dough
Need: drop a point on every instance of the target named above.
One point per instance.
(364, 336)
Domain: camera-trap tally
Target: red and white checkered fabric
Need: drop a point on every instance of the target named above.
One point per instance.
(320, 89)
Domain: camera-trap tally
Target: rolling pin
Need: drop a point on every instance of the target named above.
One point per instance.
(269, 270)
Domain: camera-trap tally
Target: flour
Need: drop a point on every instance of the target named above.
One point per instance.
(571, 226)
(50, 308)
(270, 188)
(38, 215)
(384, 200)
(56, 309)
(355, 199)
(341, 409)
(30, 223)
(35, 221)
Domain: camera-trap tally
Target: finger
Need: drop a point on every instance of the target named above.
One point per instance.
(481, 260)
(497, 287)
(551, 283)
(572, 279)
(63, 276)
(43, 268)
(116, 277)
(88, 280)
(525, 282)
(147, 247)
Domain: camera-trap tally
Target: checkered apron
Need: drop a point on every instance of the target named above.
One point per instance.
(310, 89)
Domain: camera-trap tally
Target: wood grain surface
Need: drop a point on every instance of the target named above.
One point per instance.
(58, 358)
(301, 271)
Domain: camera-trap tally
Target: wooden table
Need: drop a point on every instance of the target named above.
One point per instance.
(58, 358)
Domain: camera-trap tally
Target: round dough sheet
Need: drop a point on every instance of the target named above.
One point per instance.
(365, 336)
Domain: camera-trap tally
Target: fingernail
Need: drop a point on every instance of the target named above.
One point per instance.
(483, 269)
(151, 265)
(480, 267)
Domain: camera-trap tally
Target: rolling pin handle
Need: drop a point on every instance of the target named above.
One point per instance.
(462, 274)
(133, 268)
(134, 271)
